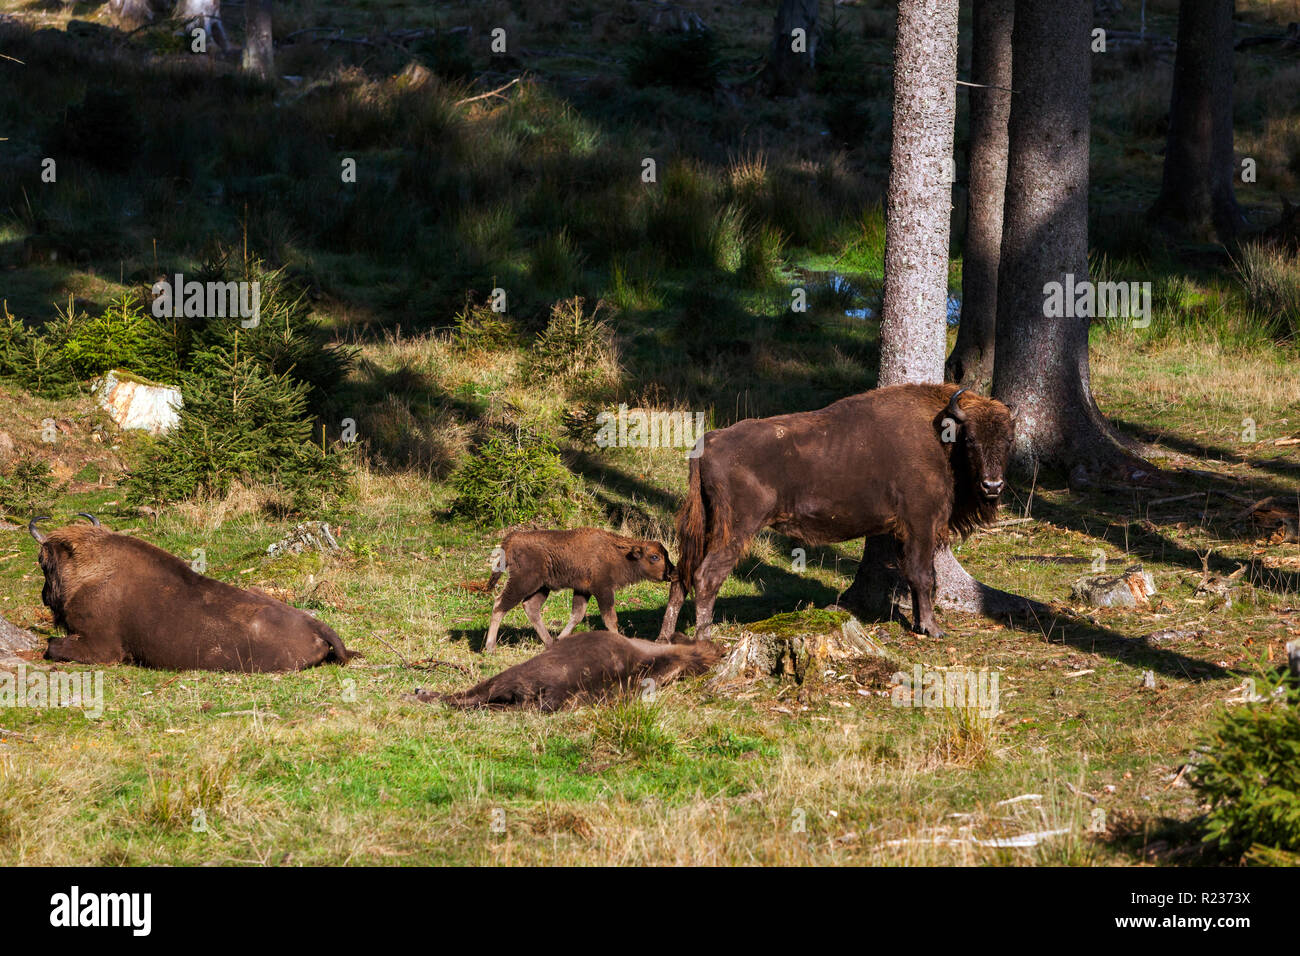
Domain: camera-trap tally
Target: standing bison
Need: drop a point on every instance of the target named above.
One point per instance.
(122, 600)
(920, 462)
(588, 560)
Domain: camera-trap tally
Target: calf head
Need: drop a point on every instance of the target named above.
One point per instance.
(988, 431)
(652, 562)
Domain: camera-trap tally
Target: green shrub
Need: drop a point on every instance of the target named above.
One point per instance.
(238, 422)
(575, 348)
(124, 337)
(509, 479)
(479, 327)
(1251, 777)
(33, 361)
(26, 485)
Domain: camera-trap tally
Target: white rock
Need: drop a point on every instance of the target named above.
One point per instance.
(133, 403)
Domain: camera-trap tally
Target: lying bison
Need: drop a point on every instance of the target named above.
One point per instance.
(585, 667)
(122, 600)
(920, 462)
(588, 560)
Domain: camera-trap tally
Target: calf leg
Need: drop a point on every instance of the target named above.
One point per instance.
(515, 591)
(918, 570)
(533, 608)
(579, 612)
(605, 599)
(79, 650)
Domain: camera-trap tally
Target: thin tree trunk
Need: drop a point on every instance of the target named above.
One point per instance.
(913, 327)
(1196, 193)
(259, 50)
(971, 360)
(791, 60)
(1041, 362)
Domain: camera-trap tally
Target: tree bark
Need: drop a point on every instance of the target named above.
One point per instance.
(971, 360)
(1041, 362)
(788, 69)
(1196, 193)
(913, 327)
(914, 321)
(259, 50)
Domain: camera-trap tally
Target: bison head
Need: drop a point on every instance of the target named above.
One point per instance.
(652, 561)
(988, 429)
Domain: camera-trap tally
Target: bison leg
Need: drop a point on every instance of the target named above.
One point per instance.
(712, 572)
(533, 608)
(676, 598)
(79, 650)
(918, 569)
(516, 590)
(579, 612)
(605, 599)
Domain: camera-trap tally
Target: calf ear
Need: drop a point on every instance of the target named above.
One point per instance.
(635, 554)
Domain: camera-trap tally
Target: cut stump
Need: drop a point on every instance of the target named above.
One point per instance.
(795, 646)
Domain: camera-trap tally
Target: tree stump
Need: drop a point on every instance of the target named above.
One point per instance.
(795, 646)
(13, 640)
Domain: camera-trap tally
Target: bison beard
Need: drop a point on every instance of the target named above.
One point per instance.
(122, 600)
(584, 667)
(923, 463)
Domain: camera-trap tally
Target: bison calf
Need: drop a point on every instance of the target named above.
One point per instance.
(122, 600)
(588, 560)
(585, 667)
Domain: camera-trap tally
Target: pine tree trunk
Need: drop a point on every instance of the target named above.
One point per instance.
(913, 327)
(971, 360)
(1196, 193)
(1041, 363)
(788, 69)
(259, 50)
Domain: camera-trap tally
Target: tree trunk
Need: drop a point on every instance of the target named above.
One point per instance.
(913, 327)
(792, 59)
(132, 13)
(971, 360)
(259, 51)
(1041, 362)
(1196, 193)
(914, 322)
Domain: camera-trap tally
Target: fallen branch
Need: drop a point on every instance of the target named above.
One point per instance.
(497, 92)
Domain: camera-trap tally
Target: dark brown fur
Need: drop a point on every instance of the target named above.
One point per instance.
(122, 600)
(589, 561)
(585, 667)
(873, 463)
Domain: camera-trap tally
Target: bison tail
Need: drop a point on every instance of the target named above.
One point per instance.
(692, 530)
(492, 581)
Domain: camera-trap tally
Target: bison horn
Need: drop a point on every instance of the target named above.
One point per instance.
(1014, 412)
(953, 408)
(32, 530)
(89, 517)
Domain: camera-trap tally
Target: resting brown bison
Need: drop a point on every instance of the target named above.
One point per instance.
(122, 600)
(588, 560)
(585, 667)
(920, 462)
